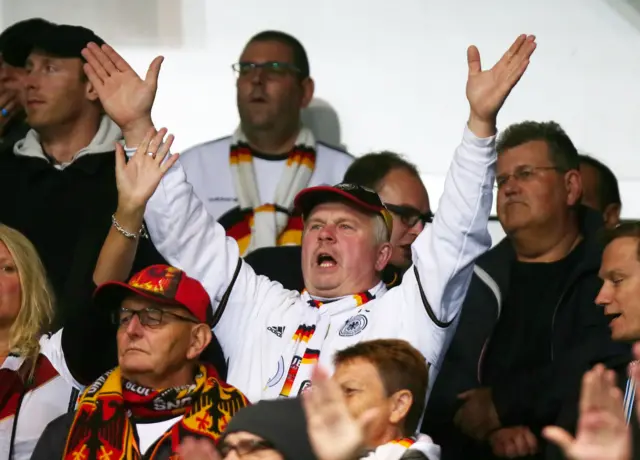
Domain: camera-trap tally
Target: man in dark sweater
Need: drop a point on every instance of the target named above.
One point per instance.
(529, 327)
(59, 182)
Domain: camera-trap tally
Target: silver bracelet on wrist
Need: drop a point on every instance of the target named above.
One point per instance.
(132, 236)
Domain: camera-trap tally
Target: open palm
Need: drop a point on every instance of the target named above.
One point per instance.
(124, 95)
(602, 432)
(487, 90)
(138, 178)
(333, 432)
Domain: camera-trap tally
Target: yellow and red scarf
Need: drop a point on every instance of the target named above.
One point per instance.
(269, 223)
(102, 428)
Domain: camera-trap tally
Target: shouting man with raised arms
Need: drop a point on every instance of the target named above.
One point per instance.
(272, 336)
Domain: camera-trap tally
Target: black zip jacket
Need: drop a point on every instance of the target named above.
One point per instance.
(533, 397)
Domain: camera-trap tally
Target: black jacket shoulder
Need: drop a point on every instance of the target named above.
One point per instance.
(54, 438)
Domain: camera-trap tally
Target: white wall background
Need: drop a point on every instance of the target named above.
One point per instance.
(389, 75)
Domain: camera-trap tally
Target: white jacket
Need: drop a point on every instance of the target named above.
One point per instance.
(259, 316)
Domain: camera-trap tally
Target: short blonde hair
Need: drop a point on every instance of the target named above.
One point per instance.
(36, 297)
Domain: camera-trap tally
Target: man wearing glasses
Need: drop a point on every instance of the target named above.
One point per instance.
(247, 181)
(529, 326)
(399, 186)
(160, 393)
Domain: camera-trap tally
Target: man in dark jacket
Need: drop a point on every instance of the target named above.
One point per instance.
(529, 327)
(59, 180)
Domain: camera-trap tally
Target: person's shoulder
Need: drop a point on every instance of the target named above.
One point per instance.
(211, 147)
(53, 440)
(326, 148)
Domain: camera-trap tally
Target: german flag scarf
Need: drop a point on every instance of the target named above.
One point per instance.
(102, 427)
(269, 220)
(345, 318)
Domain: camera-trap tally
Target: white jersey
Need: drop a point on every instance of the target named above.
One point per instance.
(259, 316)
(51, 396)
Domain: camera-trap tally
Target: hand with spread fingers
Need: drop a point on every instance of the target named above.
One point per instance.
(139, 177)
(198, 449)
(333, 432)
(126, 98)
(602, 432)
(487, 90)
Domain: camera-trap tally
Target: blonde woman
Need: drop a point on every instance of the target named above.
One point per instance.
(35, 384)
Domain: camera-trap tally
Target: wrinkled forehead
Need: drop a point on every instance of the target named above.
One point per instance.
(334, 210)
(532, 153)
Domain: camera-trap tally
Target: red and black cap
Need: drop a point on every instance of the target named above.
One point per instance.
(162, 284)
(362, 197)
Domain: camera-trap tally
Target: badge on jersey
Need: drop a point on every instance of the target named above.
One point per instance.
(354, 325)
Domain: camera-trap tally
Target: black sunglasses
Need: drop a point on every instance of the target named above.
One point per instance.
(410, 215)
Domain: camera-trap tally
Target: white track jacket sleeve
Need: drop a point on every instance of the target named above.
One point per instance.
(426, 305)
(189, 238)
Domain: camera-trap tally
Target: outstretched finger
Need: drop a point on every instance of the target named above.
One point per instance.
(156, 141)
(94, 78)
(512, 51)
(154, 71)
(165, 147)
(473, 60)
(166, 166)
(90, 55)
(523, 54)
(143, 148)
(102, 57)
(117, 60)
(121, 160)
(513, 77)
(559, 437)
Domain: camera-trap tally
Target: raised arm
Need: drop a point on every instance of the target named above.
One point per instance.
(444, 253)
(119, 249)
(180, 228)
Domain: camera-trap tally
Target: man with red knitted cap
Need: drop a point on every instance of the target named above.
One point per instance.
(160, 393)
